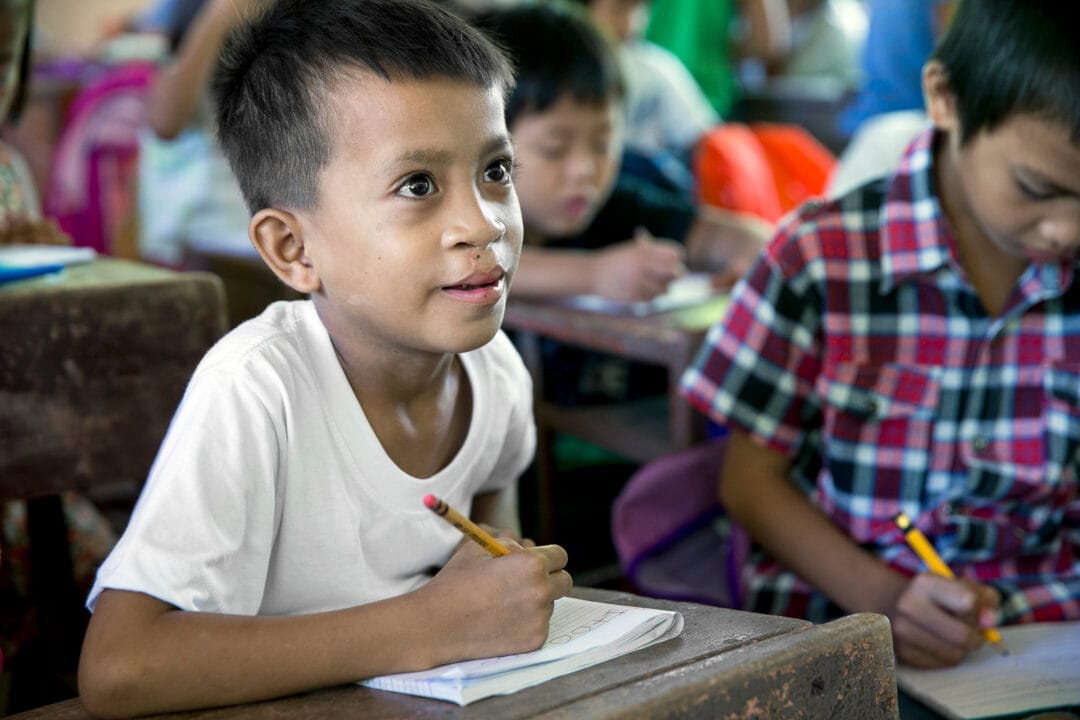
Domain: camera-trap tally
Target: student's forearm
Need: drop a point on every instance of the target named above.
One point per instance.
(180, 86)
(544, 272)
(757, 493)
(165, 660)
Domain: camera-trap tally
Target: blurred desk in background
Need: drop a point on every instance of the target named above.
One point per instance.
(640, 430)
(95, 361)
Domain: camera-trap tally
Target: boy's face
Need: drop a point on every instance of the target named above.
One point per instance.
(625, 19)
(569, 156)
(417, 230)
(1020, 184)
(1017, 186)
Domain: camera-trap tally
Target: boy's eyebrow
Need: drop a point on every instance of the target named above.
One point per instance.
(426, 156)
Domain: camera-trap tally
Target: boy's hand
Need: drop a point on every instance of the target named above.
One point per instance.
(726, 243)
(638, 269)
(23, 230)
(936, 621)
(483, 606)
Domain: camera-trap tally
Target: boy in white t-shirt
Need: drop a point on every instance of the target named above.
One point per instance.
(281, 543)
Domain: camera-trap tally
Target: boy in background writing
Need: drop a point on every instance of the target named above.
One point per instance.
(281, 543)
(912, 346)
(584, 233)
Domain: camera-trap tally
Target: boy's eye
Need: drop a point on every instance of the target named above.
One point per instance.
(500, 171)
(417, 185)
(554, 152)
(1033, 192)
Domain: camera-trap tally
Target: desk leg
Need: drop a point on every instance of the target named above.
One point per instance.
(62, 618)
(528, 345)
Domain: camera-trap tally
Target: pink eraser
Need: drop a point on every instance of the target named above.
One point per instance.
(431, 501)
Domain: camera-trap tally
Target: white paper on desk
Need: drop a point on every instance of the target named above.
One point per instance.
(583, 633)
(683, 291)
(1042, 670)
(28, 256)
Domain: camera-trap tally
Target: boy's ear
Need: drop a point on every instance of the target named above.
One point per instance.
(277, 236)
(939, 97)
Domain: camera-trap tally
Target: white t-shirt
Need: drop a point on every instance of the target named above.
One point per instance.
(271, 494)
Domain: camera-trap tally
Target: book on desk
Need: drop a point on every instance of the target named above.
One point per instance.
(18, 262)
(582, 633)
(1041, 671)
(684, 291)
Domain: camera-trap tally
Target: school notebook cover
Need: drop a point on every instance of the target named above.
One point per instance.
(583, 633)
(25, 261)
(1041, 671)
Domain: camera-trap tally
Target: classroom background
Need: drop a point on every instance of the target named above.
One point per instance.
(86, 136)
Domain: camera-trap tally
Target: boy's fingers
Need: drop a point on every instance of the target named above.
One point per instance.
(554, 556)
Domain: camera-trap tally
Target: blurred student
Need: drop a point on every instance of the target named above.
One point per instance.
(188, 196)
(285, 507)
(911, 346)
(666, 112)
(587, 229)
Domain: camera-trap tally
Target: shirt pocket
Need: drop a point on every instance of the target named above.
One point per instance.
(878, 422)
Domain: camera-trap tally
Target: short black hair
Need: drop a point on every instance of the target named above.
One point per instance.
(1009, 57)
(556, 50)
(275, 75)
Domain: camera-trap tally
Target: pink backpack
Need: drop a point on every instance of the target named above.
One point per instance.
(91, 187)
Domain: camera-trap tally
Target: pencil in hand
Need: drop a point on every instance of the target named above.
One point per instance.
(922, 547)
(465, 525)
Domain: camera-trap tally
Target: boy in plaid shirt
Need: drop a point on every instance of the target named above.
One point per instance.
(915, 346)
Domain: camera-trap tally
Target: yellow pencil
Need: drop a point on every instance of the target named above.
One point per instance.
(465, 525)
(928, 555)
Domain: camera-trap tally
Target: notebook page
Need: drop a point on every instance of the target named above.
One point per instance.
(1042, 670)
(582, 633)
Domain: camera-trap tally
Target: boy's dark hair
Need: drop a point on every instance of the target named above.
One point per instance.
(556, 50)
(1005, 57)
(276, 72)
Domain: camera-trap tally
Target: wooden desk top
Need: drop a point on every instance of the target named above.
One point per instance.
(657, 338)
(726, 663)
(95, 361)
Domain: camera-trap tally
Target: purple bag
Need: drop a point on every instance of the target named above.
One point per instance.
(673, 539)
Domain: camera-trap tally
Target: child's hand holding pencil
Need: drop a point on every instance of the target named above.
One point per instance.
(493, 597)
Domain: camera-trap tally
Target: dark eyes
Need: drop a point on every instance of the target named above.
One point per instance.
(420, 185)
(417, 185)
(501, 171)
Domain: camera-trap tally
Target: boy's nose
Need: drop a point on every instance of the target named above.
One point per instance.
(1063, 233)
(475, 224)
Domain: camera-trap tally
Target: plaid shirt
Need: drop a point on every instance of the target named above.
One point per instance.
(857, 347)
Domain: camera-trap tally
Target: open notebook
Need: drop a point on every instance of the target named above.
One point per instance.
(683, 291)
(583, 633)
(1042, 670)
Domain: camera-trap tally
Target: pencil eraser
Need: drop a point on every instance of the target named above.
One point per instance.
(431, 501)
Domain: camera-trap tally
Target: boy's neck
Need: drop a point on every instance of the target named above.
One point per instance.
(992, 272)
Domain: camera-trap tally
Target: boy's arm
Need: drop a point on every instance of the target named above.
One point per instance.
(180, 86)
(934, 620)
(142, 655)
(726, 243)
(637, 269)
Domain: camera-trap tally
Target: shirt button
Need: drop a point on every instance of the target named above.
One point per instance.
(980, 443)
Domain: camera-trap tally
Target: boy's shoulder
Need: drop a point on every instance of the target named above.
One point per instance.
(282, 326)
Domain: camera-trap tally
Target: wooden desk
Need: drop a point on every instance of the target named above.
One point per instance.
(95, 361)
(726, 664)
(641, 430)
